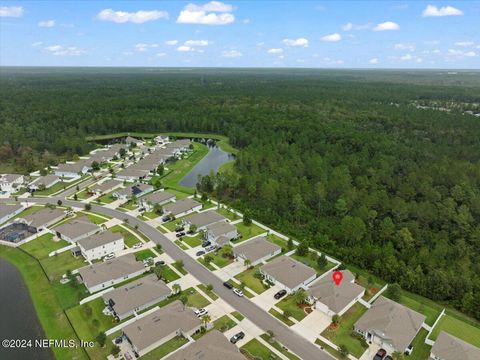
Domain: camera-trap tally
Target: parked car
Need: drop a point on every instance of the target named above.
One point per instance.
(388, 357)
(180, 228)
(280, 294)
(109, 257)
(138, 245)
(210, 248)
(200, 253)
(166, 218)
(228, 285)
(200, 312)
(160, 263)
(118, 340)
(206, 243)
(236, 337)
(142, 209)
(238, 292)
(179, 234)
(380, 354)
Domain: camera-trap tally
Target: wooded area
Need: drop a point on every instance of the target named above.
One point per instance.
(341, 159)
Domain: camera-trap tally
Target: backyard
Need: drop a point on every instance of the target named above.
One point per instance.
(312, 262)
(166, 348)
(43, 245)
(228, 214)
(465, 331)
(57, 265)
(248, 231)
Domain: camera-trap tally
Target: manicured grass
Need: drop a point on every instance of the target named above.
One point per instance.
(144, 254)
(129, 205)
(43, 245)
(228, 214)
(248, 231)
(424, 306)
(88, 319)
(219, 260)
(181, 245)
(210, 293)
(329, 349)
(27, 211)
(206, 204)
(166, 348)
(465, 331)
(236, 284)
(48, 309)
(279, 347)
(150, 214)
(162, 230)
(207, 265)
(372, 287)
(53, 189)
(172, 225)
(256, 349)
(193, 241)
(195, 299)
(179, 194)
(70, 294)
(224, 323)
(128, 238)
(281, 317)
(313, 263)
(180, 268)
(168, 274)
(248, 277)
(96, 219)
(290, 304)
(279, 241)
(238, 316)
(57, 265)
(421, 351)
(106, 198)
(83, 194)
(342, 334)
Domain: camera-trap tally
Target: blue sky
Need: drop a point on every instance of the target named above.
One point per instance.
(349, 34)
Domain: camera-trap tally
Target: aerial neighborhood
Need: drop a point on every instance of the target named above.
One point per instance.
(149, 269)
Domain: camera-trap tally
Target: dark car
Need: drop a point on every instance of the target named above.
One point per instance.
(388, 357)
(160, 263)
(180, 228)
(380, 354)
(200, 253)
(280, 294)
(166, 218)
(180, 234)
(228, 285)
(237, 336)
(206, 243)
(118, 340)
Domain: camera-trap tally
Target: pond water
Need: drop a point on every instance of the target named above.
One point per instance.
(212, 161)
(18, 317)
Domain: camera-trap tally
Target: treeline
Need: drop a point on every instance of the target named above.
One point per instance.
(338, 159)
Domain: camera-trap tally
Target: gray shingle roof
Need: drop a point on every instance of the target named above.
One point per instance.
(100, 239)
(158, 197)
(106, 185)
(204, 218)
(43, 217)
(6, 210)
(288, 271)
(77, 227)
(46, 180)
(448, 347)
(220, 228)
(181, 206)
(256, 249)
(393, 321)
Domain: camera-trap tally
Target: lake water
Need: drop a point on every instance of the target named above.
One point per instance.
(212, 161)
(18, 317)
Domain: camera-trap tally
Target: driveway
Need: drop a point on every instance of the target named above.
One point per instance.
(370, 352)
(266, 300)
(292, 340)
(230, 270)
(312, 325)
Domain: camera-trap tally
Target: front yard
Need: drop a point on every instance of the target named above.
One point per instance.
(144, 254)
(251, 280)
(289, 304)
(193, 241)
(258, 351)
(224, 323)
(128, 237)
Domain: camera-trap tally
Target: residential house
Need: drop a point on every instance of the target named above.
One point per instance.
(288, 273)
(257, 250)
(159, 197)
(182, 207)
(9, 211)
(131, 140)
(44, 182)
(137, 190)
(132, 174)
(153, 330)
(179, 147)
(390, 325)
(333, 299)
(161, 139)
(73, 170)
(203, 219)
(102, 275)
(212, 346)
(11, 182)
(96, 246)
(221, 233)
(76, 229)
(43, 218)
(448, 347)
(104, 187)
(136, 296)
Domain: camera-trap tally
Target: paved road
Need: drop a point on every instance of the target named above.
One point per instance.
(250, 310)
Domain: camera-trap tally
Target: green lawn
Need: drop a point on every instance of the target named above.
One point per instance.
(290, 304)
(96, 219)
(248, 231)
(278, 240)
(172, 225)
(107, 198)
(219, 260)
(27, 211)
(259, 351)
(168, 274)
(313, 263)
(88, 319)
(329, 349)
(281, 317)
(43, 245)
(238, 316)
(228, 214)
(424, 306)
(181, 245)
(180, 268)
(49, 311)
(129, 205)
(82, 195)
(150, 214)
(224, 323)
(144, 254)
(128, 237)
(53, 189)
(343, 333)
(279, 347)
(465, 331)
(70, 294)
(165, 349)
(195, 299)
(57, 265)
(421, 351)
(193, 241)
(210, 293)
(207, 265)
(248, 277)
(371, 283)
(179, 194)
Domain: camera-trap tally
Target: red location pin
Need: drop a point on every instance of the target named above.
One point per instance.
(337, 277)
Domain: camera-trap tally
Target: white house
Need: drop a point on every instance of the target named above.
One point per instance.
(288, 273)
(73, 170)
(76, 229)
(182, 207)
(11, 182)
(136, 190)
(203, 219)
(44, 182)
(98, 245)
(161, 139)
(160, 197)
(221, 233)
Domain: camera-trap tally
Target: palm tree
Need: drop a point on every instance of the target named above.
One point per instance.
(247, 263)
(176, 289)
(206, 320)
(300, 296)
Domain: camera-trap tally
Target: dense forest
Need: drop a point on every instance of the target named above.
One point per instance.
(341, 159)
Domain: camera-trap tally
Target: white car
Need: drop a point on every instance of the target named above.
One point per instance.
(109, 257)
(138, 245)
(238, 292)
(200, 312)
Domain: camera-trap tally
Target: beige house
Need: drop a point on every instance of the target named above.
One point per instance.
(256, 250)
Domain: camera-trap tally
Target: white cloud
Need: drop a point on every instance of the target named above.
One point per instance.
(139, 17)
(404, 46)
(406, 57)
(432, 10)
(296, 42)
(11, 11)
(160, 54)
(436, 51)
(373, 61)
(231, 53)
(212, 13)
(60, 50)
(37, 43)
(470, 54)
(386, 26)
(196, 43)
(184, 48)
(332, 37)
(141, 47)
(464, 43)
(460, 54)
(275, 51)
(46, 23)
(171, 42)
(246, 21)
(349, 26)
